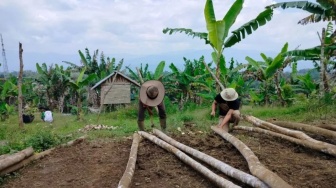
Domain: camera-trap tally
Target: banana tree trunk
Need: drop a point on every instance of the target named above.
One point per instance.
(305, 143)
(25, 162)
(36, 156)
(79, 108)
(219, 181)
(9, 160)
(260, 123)
(324, 86)
(325, 147)
(221, 166)
(126, 179)
(214, 76)
(61, 103)
(326, 126)
(256, 168)
(307, 128)
(277, 86)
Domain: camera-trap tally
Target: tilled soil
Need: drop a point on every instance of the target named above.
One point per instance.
(102, 163)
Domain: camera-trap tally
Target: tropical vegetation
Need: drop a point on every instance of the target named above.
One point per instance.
(260, 83)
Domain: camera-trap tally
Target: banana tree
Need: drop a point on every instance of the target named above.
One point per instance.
(306, 84)
(323, 11)
(218, 30)
(265, 71)
(145, 74)
(323, 53)
(186, 84)
(45, 80)
(79, 86)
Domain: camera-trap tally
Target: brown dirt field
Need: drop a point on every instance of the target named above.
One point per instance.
(102, 163)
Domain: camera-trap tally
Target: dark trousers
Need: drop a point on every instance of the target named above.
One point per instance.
(142, 108)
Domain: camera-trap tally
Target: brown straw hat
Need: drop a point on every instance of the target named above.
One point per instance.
(229, 94)
(152, 93)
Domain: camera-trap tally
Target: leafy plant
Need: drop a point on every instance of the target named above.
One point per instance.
(43, 140)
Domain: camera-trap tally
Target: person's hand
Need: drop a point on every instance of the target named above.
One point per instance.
(212, 113)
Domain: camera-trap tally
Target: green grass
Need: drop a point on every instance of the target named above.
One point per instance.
(42, 135)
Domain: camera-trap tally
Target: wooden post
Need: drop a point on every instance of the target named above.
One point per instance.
(20, 87)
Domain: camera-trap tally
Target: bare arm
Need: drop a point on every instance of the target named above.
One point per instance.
(213, 108)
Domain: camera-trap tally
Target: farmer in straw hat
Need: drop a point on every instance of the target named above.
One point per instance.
(229, 104)
(151, 95)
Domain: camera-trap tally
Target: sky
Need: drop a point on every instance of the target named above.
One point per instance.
(53, 31)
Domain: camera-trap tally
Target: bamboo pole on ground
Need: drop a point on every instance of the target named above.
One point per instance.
(10, 160)
(126, 179)
(256, 168)
(307, 128)
(219, 181)
(305, 143)
(221, 166)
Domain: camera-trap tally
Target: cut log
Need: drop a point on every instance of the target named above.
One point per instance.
(73, 142)
(306, 143)
(127, 177)
(307, 128)
(219, 181)
(9, 160)
(256, 168)
(264, 124)
(325, 147)
(221, 166)
(329, 127)
(36, 156)
(24, 162)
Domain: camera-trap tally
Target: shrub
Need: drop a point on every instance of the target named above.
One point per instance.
(43, 140)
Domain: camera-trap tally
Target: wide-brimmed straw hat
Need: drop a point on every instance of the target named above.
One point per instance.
(229, 94)
(152, 93)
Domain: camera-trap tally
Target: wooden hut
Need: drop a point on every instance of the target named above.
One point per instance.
(115, 89)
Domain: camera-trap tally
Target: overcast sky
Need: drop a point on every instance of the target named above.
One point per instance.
(52, 31)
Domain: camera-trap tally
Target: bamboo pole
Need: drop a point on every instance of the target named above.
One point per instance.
(219, 181)
(221, 166)
(256, 168)
(126, 179)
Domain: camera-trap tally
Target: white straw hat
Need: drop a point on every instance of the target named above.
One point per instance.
(229, 94)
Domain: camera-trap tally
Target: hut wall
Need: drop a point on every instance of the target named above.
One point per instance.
(119, 93)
